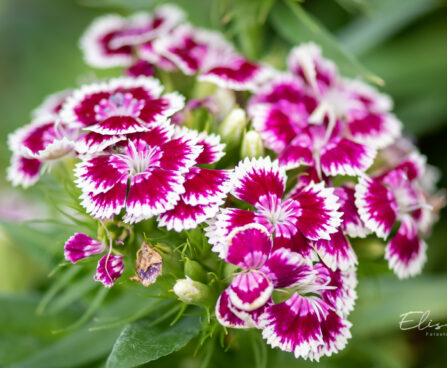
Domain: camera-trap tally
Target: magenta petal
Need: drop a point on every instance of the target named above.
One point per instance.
(352, 224)
(110, 268)
(295, 325)
(406, 252)
(91, 143)
(338, 287)
(106, 204)
(236, 73)
(249, 246)
(335, 334)
(212, 148)
(274, 124)
(297, 153)
(116, 125)
(180, 153)
(140, 68)
(185, 217)
(373, 129)
(336, 252)
(222, 225)
(24, 171)
(204, 186)
(345, 157)
(80, 246)
(225, 316)
(250, 291)
(319, 211)
(297, 243)
(143, 202)
(285, 268)
(377, 205)
(100, 173)
(256, 178)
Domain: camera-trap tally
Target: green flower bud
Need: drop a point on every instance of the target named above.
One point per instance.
(193, 292)
(195, 270)
(252, 145)
(233, 125)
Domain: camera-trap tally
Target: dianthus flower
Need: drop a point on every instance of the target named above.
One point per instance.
(311, 116)
(308, 325)
(111, 40)
(396, 196)
(110, 266)
(305, 220)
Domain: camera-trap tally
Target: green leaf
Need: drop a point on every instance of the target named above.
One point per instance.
(388, 17)
(22, 332)
(78, 348)
(139, 344)
(295, 25)
(382, 300)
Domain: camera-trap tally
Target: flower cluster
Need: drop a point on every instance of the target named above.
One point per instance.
(322, 162)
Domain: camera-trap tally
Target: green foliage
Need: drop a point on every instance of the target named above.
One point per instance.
(140, 342)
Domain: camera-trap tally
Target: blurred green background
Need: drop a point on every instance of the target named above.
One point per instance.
(401, 41)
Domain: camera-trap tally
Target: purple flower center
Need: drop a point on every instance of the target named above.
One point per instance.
(118, 104)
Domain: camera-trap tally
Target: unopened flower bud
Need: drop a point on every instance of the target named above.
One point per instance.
(148, 265)
(193, 292)
(233, 125)
(252, 145)
(195, 270)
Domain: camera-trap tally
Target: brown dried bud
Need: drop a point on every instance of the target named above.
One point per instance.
(148, 265)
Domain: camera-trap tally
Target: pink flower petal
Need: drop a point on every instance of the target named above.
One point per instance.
(352, 224)
(338, 288)
(143, 202)
(297, 153)
(345, 157)
(295, 325)
(110, 268)
(80, 246)
(377, 205)
(256, 178)
(225, 316)
(222, 225)
(249, 246)
(23, 171)
(104, 205)
(185, 216)
(91, 143)
(336, 252)
(250, 291)
(406, 252)
(373, 129)
(204, 186)
(319, 211)
(285, 268)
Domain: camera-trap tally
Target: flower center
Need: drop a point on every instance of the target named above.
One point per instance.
(118, 104)
(139, 157)
(278, 216)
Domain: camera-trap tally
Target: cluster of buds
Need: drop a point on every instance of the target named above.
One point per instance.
(314, 161)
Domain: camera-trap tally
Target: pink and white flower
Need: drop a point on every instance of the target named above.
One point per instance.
(309, 326)
(110, 40)
(286, 113)
(390, 198)
(41, 142)
(208, 54)
(144, 175)
(80, 246)
(110, 268)
(120, 106)
(307, 214)
(205, 189)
